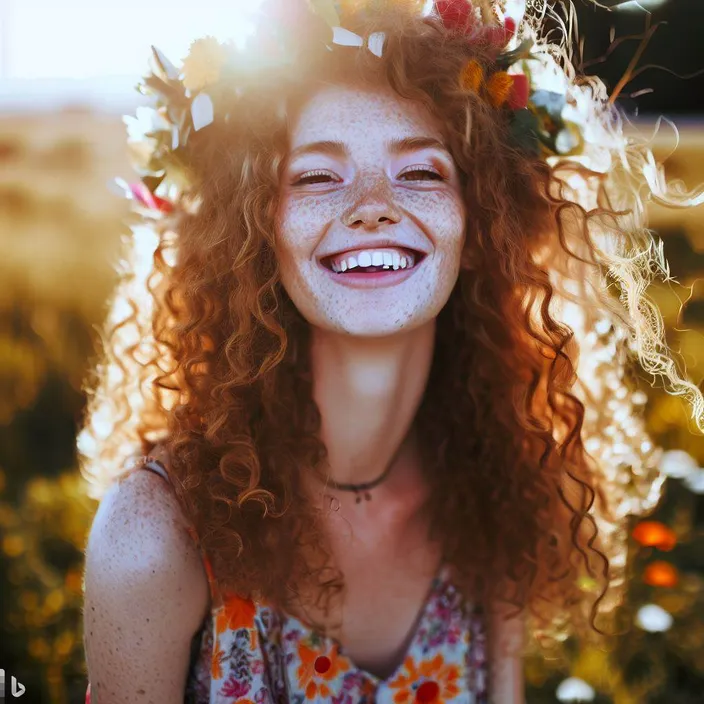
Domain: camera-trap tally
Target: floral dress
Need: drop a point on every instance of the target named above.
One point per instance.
(247, 652)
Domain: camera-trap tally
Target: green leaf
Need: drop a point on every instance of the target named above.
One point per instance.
(522, 51)
(525, 130)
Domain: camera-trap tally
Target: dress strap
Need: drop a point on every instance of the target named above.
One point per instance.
(154, 465)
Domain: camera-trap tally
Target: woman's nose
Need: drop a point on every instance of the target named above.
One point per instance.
(373, 203)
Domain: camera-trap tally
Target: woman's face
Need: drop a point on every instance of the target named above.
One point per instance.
(367, 184)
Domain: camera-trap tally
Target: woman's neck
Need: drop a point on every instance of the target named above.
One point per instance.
(368, 391)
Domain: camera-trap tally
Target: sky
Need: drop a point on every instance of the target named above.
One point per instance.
(95, 50)
(95, 38)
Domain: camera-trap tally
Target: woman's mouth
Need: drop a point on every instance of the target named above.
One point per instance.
(366, 268)
(369, 261)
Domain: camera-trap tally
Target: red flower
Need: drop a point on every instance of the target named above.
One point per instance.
(455, 14)
(518, 97)
(499, 37)
(143, 195)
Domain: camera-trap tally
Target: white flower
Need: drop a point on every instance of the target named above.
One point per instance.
(653, 618)
(145, 121)
(695, 481)
(574, 690)
(678, 464)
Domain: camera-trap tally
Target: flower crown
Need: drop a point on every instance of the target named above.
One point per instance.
(189, 99)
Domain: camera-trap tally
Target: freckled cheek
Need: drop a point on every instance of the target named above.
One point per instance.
(448, 231)
(442, 215)
(299, 230)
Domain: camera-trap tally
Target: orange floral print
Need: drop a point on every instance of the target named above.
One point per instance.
(235, 613)
(218, 655)
(315, 683)
(446, 676)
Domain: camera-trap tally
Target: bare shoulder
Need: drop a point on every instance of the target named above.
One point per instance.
(145, 593)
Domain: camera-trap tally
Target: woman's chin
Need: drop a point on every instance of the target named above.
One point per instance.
(386, 324)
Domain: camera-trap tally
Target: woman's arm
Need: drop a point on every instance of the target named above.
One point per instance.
(506, 639)
(145, 595)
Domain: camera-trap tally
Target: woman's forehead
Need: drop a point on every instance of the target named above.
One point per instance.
(360, 112)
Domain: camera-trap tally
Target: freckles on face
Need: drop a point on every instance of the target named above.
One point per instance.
(367, 169)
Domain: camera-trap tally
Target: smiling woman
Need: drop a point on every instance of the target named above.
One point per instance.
(375, 335)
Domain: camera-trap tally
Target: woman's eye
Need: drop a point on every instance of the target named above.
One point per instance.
(425, 171)
(311, 175)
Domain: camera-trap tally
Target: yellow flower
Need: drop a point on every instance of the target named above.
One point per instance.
(499, 87)
(471, 76)
(202, 66)
(413, 5)
(350, 8)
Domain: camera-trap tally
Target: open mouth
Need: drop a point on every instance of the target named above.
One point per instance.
(370, 261)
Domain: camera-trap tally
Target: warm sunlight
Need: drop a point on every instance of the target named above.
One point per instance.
(87, 39)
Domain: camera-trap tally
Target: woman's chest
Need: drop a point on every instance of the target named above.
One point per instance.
(388, 577)
(378, 613)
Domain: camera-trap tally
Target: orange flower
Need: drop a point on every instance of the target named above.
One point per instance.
(445, 676)
(471, 76)
(499, 87)
(235, 613)
(661, 574)
(315, 679)
(655, 534)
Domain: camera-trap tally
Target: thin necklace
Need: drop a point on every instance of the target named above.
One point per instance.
(363, 488)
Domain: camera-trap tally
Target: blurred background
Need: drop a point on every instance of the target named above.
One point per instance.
(67, 75)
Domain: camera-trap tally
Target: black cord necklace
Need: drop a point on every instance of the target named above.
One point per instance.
(363, 488)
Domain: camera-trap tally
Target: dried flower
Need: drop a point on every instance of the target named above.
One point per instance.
(471, 76)
(499, 87)
(203, 64)
(141, 153)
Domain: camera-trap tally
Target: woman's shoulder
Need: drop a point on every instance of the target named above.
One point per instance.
(140, 540)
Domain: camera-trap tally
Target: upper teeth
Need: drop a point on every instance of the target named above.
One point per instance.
(388, 258)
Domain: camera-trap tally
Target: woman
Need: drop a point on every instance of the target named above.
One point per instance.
(372, 363)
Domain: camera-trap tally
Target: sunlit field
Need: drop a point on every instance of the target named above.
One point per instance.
(61, 232)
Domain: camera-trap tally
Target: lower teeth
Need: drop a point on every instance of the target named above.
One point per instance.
(369, 269)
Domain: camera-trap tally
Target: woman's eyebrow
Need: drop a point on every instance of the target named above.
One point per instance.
(395, 146)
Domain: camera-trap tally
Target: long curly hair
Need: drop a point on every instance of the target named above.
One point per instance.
(541, 456)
